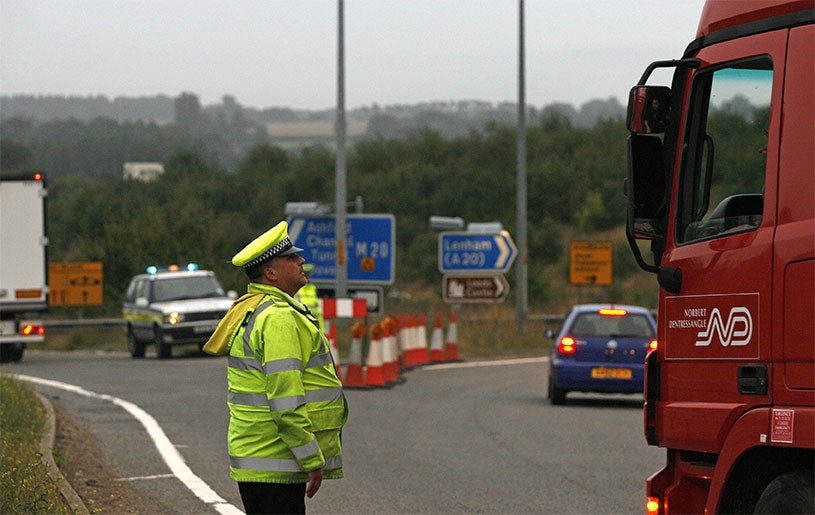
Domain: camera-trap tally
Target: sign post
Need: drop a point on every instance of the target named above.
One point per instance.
(75, 284)
(590, 263)
(474, 288)
(369, 251)
(461, 252)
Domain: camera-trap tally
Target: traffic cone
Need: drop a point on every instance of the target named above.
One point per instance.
(331, 336)
(451, 342)
(374, 369)
(437, 341)
(422, 358)
(406, 333)
(353, 373)
(390, 365)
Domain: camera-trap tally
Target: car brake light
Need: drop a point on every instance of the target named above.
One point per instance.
(653, 345)
(566, 345)
(652, 506)
(613, 312)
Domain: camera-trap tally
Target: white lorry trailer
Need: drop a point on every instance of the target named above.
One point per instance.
(23, 263)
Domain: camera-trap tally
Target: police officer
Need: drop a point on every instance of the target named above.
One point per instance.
(286, 404)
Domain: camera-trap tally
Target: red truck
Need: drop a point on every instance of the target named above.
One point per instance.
(721, 207)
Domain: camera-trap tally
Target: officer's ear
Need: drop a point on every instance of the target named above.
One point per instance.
(269, 272)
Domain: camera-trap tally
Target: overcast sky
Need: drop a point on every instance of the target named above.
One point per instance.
(284, 52)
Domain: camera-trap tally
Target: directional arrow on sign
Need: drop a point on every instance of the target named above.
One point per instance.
(478, 288)
(468, 252)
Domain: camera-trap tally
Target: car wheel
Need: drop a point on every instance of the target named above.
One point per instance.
(163, 350)
(557, 396)
(134, 346)
(788, 493)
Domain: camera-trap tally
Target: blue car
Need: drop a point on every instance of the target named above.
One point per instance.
(601, 348)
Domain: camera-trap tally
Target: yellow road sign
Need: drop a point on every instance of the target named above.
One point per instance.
(75, 284)
(590, 262)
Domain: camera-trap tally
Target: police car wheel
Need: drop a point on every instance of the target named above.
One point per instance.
(134, 346)
(163, 350)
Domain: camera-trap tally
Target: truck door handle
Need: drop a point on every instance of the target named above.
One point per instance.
(752, 379)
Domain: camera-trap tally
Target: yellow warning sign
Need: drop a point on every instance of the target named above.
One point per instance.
(590, 262)
(75, 284)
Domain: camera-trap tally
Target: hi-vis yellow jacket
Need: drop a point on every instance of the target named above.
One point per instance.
(285, 401)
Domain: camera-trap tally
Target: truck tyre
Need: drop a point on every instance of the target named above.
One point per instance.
(134, 346)
(10, 353)
(557, 396)
(792, 492)
(163, 350)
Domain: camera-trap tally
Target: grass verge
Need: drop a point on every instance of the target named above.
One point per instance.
(26, 485)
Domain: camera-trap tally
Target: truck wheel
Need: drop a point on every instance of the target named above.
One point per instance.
(134, 346)
(792, 492)
(163, 350)
(10, 353)
(557, 396)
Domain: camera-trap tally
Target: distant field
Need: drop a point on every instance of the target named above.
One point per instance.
(313, 129)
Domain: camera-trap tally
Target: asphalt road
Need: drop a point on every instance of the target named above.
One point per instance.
(458, 438)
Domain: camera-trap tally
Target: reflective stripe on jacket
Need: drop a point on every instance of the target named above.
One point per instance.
(285, 401)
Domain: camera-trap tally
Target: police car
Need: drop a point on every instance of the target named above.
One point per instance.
(173, 306)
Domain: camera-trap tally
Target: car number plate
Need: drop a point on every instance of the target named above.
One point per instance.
(610, 373)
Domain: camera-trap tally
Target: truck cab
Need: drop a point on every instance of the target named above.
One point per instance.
(721, 207)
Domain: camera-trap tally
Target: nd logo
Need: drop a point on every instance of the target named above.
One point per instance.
(736, 332)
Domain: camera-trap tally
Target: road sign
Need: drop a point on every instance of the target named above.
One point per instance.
(590, 262)
(469, 252)
(370, 250)
(75, 284)
(476, 288)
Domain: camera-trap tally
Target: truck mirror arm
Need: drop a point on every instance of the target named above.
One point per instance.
(673, 63)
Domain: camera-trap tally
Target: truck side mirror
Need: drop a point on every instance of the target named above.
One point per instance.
(645, 186)
(649, 109)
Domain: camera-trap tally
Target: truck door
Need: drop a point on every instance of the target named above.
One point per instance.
(716, 330)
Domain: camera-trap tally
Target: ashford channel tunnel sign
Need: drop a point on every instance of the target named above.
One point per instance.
(370, 249)
(462, 252)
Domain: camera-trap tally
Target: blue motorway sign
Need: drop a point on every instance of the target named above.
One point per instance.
(370, 248)
(469, 252)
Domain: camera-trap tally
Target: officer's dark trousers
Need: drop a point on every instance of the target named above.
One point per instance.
(259, 498)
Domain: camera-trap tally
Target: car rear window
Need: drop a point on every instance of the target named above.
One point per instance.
(595, 324)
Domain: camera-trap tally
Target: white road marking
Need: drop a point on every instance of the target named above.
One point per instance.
(139, 478)
(165, 447)
(473, 364)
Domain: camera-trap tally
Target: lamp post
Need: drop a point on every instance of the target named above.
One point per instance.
(341, 288)
(521, 299)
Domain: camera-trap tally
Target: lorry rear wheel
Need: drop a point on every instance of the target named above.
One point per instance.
(10, 353)
(163, 350)
(792, 492)
(134, 346)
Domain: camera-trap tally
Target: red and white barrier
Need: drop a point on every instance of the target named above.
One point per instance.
(344, 308)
